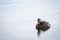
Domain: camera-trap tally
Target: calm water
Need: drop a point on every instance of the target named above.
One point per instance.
(18, 19)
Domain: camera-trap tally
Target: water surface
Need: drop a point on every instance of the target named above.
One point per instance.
(18, 19)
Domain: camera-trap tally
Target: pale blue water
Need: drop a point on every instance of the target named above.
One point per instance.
(18, 19)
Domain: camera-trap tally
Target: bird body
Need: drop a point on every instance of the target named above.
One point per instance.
(43, 25)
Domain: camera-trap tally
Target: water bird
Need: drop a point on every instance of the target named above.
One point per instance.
(42, 26)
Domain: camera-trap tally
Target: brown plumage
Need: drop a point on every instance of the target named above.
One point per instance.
(42, 25)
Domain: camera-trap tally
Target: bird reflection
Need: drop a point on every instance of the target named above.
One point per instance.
(38, 33)
(41, 26)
